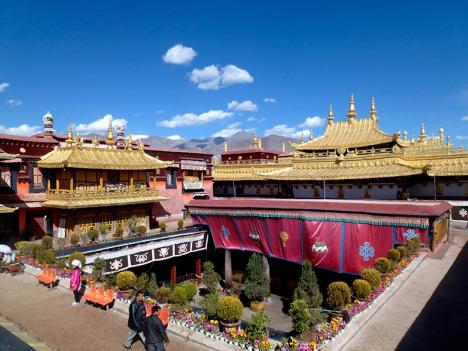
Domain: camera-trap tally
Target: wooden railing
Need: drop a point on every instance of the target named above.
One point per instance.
(106, 192)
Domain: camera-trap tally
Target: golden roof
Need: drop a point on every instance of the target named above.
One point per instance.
(6, 210)
(6, 156)
(100, 158)
(348, 134)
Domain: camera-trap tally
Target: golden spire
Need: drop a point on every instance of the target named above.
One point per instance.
(128, 142)
(283, 147)
(225, 146)
(449, 141)
(302, 137)
(110, 136)
(330, 115)
(441, 135)
(422, 134)
(351, 111)
(255, 142)
(259, 143)
(69, 135)
(311, 135)
(373, 111)
(405, 135)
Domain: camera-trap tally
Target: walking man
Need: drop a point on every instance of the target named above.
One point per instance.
(154, 331)
(136, 319)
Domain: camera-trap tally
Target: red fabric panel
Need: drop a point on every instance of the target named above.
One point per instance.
(290, 248)
(322, 244)
(403, 234)
(224, 232)
(363, 244)
(253, 226)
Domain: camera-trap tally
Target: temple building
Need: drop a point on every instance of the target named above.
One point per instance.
(353, 159)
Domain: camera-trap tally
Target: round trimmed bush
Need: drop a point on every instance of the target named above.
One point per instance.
(339, 295)
(92, 234)
(125, 280)
(229, 309)
(163, 294)
(413, 245)
(48, 256)
(300, 315)
(179, 296)
(23, 247)
(46, 242)
(74, 239)
(141, 229)
(361, 288)
(190, 290)
(402, 250)
(180, 223)
(394, 255)
(372, 276)
(77, 256)
(382, 264)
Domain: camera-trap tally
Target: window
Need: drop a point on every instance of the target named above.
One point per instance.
(171, 178)
(5, 177)
(106, 222)
(37, 180)
(85, 224)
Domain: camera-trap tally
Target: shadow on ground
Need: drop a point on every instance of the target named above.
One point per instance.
(442, 324)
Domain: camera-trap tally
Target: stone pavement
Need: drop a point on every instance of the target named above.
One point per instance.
(426, 308)
(14, 339)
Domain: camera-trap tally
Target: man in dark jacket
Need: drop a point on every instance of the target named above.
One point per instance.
(136, 319)
(154, 331)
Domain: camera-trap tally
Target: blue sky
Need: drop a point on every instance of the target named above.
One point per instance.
(86, 61)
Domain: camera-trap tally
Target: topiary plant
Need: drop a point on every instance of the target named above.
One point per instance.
(141, 230)
(48, 256)
(92, 234)
(77, 256)
(210, 303)
(308, 288)
(361, 288)
(35, 250)
(372, 276)
(125, 280)
(339, 295)
(300, 316)
(179, 296)
(393, 255)
(46, 242)
(142, 282)
(163, 294)
(162, 226)
(229, 309)
(98, 267)
(23, 247)
(119, 232)
(190, 290)
(257, 329)
(210, 277)
(383, 265)
(414, 245)
(74, 239)
(180, 223)
(402, 250)
(257, 286)
(152, 284)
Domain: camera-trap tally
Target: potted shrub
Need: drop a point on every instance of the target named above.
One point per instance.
(162, 295)
(98, 267)
(46, 242)
(125, 281)
(257, 286)
(48, 257)
(141, 230)
(361, 289)
(24, 248)
(74, 239)
(372, 276)
(179, 297)
(142, 282)
(257, 329)
(190, 290)
(118, 232)
(394, 255)
(413, 245)
(229, 310)
(308, 288)
(103, 231)
(210, 277)
(402, 251)
(339, 295)
(210, 303)
(300, 315)
(383, 265)
(92, 235)
(162, 226)
(77, 256)
(180, 224)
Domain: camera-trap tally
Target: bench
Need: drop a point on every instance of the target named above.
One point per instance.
(14, 268)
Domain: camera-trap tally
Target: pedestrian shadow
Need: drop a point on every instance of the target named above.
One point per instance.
(441, 325)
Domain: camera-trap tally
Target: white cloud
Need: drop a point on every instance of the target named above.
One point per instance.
(139, 136)
(284, 130)
(255, 119)
(269, 100)
(462, 137)
(179, 55)
(174, 137)
(246, 105)
(464, 118)
(213, 78)
(312, 122)
(4, 86)
(14, 103)
(229, 131)
(100, 125)
(190, 119)
(23, 129)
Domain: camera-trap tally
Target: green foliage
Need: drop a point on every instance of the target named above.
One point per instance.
(300, 316)
(317, 317)
(163, 294)
(92, 234)
(257, 285)
(141, 229)
(119, 232)
(103, 229)
(190, 290)
(152, 284)
(394, 255)
(99, 265)
(110, 280)
(210, 303)
(383, 265)
(36, 251)
(74, 239)
(77, 256)
(47, 256)
(339, 295)
(179, 296)
(361, 288)
(85, 239)
(142, 282)
(308, 288)
(23, 247)
(46, 242)
(133, 224)
(372, 276)
(60, 263)
(402, 250)
(125, 280)
(257, 327)
(180, 223)
(229, 309)
(162, 226)
(210, 277)
(414, 245)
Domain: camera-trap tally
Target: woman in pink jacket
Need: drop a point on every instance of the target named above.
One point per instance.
(75, 280)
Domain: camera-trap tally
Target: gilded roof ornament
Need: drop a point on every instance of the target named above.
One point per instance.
(311, 135)
(70, 135)
(405, 135)
(373, 111)
(283, 147)
(128, 142)
(225, 146)
(330, 115)
(110, 136)
(422, 134)
(351, 111)
(302, 137)
(95, 142)
(141, 146)
(255, 142)
(441, 135)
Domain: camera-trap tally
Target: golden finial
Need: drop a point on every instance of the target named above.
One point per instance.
(449, 141)
(110, 136)
(405, 135)
(441, 135)
(95, 142)
(128, 142)
(225, 146)
(311, 135)
(70, 135)
(432, 136)
(351, 111)
(141, 146)
(302, 137)
(373, 111)
(330, 115)
(255, 142)
(259, 143)
(422, 134)
(413, 139)
(283, 147)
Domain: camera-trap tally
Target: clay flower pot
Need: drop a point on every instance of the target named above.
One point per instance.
(257, 306)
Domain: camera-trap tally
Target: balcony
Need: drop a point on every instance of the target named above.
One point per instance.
(109, 195)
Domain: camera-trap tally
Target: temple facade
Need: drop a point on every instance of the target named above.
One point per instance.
(353, 159)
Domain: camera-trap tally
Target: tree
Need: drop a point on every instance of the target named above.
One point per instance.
(257, 285)
(152, 284)
(210, 277)
(308, 288)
